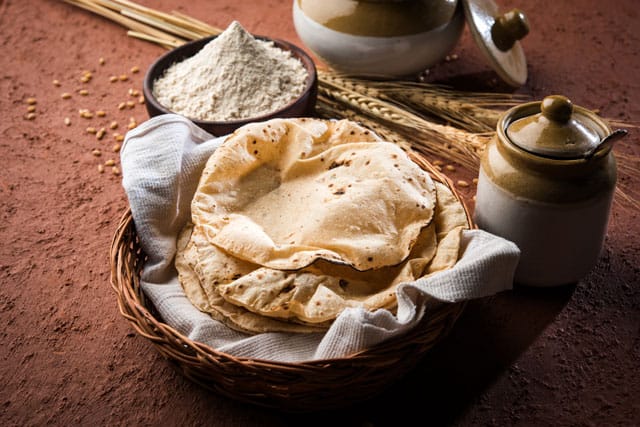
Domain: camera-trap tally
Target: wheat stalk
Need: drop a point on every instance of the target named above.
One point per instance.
(439, 140)
(472, 111)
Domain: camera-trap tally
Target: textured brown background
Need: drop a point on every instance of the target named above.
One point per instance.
(567, 356)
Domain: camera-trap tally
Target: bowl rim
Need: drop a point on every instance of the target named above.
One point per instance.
(154, 71)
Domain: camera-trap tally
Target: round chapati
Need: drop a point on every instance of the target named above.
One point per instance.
(237, 262)
(321, 291)
(278, 196)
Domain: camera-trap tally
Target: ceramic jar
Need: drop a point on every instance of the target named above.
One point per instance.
(402, 38)
(546, 183)
(378, 37)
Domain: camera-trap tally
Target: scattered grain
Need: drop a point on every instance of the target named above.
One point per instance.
(118, 137)
(101, 168)
(113, 125)
(438, 163)
(100, 134)
(113, 79)
(91, 130)
(66, 95)
(67, 121)
(101, 113)
(130, 104)
(116, 148)
(450, 168)
(462, 183)
(31, 109)
(115, 170)
(475, 181)
(141, 99)
(123, 77)
(122, 106)
(110, 162)
(135, 69)
(83, 92)
(96, 152)
(101, 61)
(31, 101)
(30, 116)
(56, 83)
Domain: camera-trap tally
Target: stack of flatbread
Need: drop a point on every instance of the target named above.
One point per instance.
(294, 220)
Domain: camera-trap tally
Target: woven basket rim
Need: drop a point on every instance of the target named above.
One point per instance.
(279, 381)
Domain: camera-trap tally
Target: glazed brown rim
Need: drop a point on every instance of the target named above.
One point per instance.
(293, 387)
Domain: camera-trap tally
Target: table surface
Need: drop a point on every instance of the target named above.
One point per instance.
(564, 356)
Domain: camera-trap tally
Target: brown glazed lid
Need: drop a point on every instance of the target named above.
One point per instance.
(558, 131)
(497, 36)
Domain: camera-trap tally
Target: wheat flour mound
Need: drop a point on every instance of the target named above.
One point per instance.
(234, 76)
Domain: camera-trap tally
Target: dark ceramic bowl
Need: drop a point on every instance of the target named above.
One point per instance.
(303, 106)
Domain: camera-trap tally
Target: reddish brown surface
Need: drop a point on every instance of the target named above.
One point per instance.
(568, 356)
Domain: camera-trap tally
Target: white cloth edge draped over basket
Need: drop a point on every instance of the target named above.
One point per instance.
(162, 160)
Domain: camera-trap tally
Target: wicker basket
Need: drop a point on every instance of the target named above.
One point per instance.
(293, 387)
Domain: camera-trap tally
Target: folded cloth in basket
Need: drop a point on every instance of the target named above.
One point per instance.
(162, 161)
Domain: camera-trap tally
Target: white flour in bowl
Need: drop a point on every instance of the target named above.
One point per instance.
(234, 76)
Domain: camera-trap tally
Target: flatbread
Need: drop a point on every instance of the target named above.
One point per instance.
(321, 291)
(203, 293)
(276, 200)
(250, 258)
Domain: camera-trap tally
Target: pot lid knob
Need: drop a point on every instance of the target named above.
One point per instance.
(557, 109)
(558, 131)
(509, 28)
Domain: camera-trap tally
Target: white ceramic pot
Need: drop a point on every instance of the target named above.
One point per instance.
(387, 38)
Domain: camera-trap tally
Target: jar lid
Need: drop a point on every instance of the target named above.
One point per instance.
(558, 131)
(497, 36)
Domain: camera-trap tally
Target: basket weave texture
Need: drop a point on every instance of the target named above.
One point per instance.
(293, 387)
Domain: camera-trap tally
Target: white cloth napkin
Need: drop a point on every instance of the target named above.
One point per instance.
(161, 163)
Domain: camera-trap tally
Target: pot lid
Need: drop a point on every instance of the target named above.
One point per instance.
(497, 36)
(558, 131)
